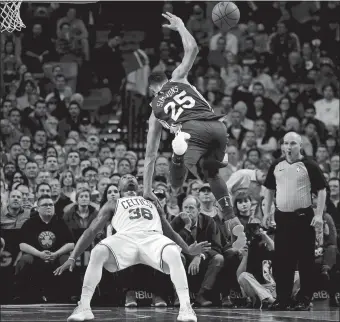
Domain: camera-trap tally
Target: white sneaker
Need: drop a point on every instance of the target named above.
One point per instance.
(179, 143)
(81, 313)
(187, 314)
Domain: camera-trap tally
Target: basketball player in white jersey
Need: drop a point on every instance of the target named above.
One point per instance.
(139, 239)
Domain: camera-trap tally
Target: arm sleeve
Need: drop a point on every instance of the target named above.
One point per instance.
(317, 179)
(270, 182)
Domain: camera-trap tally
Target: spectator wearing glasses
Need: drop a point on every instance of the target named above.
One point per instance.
(25, 143)
(46, 243)
(90, 175)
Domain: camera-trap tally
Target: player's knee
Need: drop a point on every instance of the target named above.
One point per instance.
(171, 253)
(100, 253)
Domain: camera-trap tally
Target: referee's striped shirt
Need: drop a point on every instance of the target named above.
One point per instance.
(294, 183)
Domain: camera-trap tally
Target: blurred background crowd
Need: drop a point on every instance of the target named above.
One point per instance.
(74, 111)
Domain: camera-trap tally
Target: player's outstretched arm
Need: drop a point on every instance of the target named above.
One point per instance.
(194, 249)
(97, 225)
(189, 45)
(152, 145)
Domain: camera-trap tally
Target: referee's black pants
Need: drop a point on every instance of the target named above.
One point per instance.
(294, 247)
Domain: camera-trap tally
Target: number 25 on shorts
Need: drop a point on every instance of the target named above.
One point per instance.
(184, 102)
(140, 212)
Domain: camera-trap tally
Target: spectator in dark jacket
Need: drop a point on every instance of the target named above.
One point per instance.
(196, 227)
(80, 215)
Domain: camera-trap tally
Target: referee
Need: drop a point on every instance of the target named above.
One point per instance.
(292, 180)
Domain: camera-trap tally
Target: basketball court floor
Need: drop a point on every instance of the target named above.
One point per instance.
(56, 313)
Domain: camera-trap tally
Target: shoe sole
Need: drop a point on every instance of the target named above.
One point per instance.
(187, 320)
(87, 318)
(131, 305)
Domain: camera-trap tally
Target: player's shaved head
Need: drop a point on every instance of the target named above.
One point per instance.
(293, 136)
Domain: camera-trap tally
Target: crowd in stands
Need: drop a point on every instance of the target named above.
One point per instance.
(74, 111)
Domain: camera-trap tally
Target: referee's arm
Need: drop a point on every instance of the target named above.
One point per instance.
(270, 184)
(318, 184)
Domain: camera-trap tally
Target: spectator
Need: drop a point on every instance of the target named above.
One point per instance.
(231, 42)
(39, 142)
(36, 49)
(335, 167)
(59, 199)
(194, 226)
(327, 109)
(91, 176)
(26, 200)
(282, 42)
(199, 26)
(46, 243)
(41, 189)
(104, 172)
(108, 59)
(31, 170)
(254, 273)
(74, 30)
(264, 141)
(124, 166)
(104, 152)
(236, 131)
(132, 157)
(82, 213)
(44, 176)
(207, 201)
(18, 177)
(14, 215)
(25, 143)
(68, 185)
(73, 163)
(52, 166)
(101, 187)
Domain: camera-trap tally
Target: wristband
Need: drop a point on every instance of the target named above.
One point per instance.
(72, 259)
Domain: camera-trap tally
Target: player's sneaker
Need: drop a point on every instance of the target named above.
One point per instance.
(187, 314)
(179, 143)
(81, 313)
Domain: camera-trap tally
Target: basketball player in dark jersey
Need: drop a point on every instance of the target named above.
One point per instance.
(179, 107)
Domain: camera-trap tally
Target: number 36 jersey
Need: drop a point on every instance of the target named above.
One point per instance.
(136, 214)
(178, 103)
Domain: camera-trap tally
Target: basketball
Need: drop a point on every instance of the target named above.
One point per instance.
(225, 15)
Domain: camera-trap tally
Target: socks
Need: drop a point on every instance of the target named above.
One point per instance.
(92, 278)
(86, 295)
(178, 171)
(221, 193)
(177, 159)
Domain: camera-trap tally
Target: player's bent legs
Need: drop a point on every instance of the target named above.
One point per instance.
(100, 257)
(173, 265)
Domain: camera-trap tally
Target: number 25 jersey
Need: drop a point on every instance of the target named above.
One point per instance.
(178, 103)
(134, 214)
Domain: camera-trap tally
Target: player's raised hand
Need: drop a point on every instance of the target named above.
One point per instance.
(175, 22)
(199, 248)
(69, 264)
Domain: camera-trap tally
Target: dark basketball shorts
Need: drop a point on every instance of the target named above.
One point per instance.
(208, 139)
